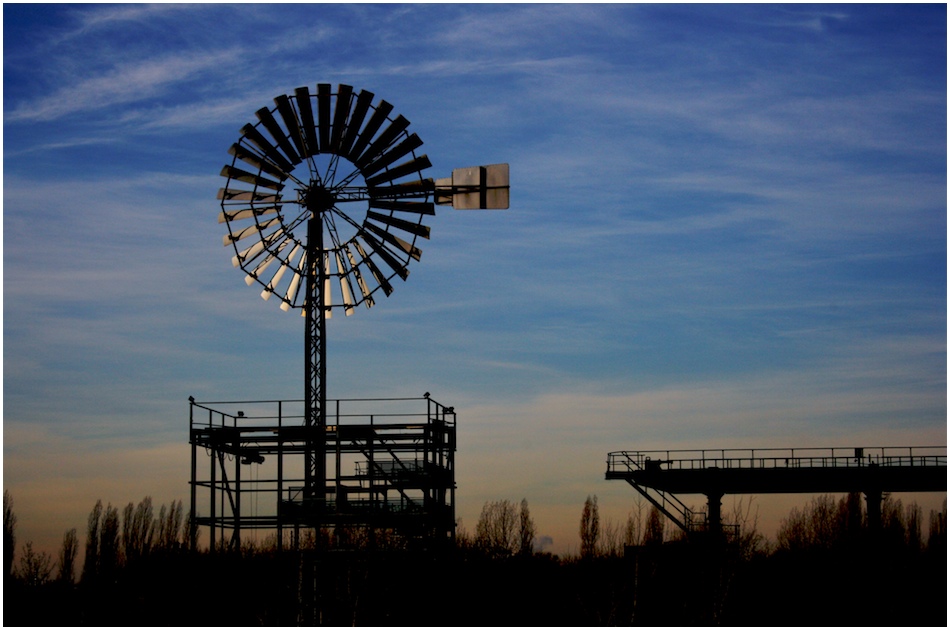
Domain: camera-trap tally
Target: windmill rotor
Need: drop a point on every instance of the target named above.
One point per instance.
(342, 159)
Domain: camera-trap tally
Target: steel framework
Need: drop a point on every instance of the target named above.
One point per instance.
(660, 475)
(389, 467)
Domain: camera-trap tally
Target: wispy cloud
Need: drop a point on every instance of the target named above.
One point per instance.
(110, 16)
(126, 83)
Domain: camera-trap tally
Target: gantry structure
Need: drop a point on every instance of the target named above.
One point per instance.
(661, 476)
(390, 468)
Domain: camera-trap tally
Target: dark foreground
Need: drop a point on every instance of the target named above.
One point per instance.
(676, 583)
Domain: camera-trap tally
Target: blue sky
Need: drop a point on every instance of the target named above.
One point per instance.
(727, 229)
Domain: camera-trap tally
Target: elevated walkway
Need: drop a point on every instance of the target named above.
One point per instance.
(660, 475)
(389, 465)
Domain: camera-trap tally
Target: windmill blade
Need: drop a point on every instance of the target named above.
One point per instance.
(375, 122)
(385, 139)
(257, 161)
(380, 250)
(231, 238)
(415, 207)
(363, 100)
(264, 264)
(306, 119)
(417, 164)
(270, 123)
(406, 226)
(402, 149)
(327, 286)
(374, 270)
(245, 213)
(250, 178)
(257, 138)
(286, 111)
(343, 94)
(367, 297)
(269, 289)
(294, 283)
(394, 240)
(254, 250)
(323, 113)
(232, 194)
(345, 287)
(248, 254)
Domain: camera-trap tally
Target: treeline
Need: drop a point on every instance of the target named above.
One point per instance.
(826, 566)
(504, 530)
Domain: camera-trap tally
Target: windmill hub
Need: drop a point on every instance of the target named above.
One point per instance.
(318, 199)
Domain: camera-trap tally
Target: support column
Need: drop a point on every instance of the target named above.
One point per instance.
(714, 512)
(315, 383)
(193, 514)
(874, 498)
(280, 477)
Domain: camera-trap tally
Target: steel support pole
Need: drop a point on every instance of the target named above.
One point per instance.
(714, 512)
(192, 525)
(315, 349)
(236, 503)
(280, 477)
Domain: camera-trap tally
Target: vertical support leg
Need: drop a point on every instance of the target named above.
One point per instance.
(874, 498)
(280, 477)
(236, 501)
(714, 512)
(214, 493)
(193, 514)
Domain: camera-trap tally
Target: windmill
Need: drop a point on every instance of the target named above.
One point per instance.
(325, 203)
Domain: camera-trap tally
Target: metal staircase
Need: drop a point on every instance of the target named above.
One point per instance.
(672, 507)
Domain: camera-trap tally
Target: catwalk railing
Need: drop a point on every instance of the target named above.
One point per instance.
(837, 457)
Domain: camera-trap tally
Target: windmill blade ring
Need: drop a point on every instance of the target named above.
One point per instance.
(326, 153)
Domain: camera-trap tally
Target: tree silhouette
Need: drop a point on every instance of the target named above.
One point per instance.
(138, 530)
(526, 530)
(170, 527)
(495, 531)
(67, 557)
(34, 568)
(937, 535)
(90, 567)
(109, 553)
(654, 531)
(590, 527)
(9, 535)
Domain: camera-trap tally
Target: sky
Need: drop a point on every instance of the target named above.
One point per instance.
(727, 229)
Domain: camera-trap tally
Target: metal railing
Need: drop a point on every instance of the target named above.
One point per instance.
(836, 457)
(348, 411)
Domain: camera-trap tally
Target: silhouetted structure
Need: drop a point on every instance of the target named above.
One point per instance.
(325, 202)
(661, 475)
(390, 463)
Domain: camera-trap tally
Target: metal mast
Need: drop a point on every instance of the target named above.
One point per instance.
(318, 200)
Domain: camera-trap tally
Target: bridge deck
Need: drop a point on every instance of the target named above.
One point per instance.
(764, 471)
